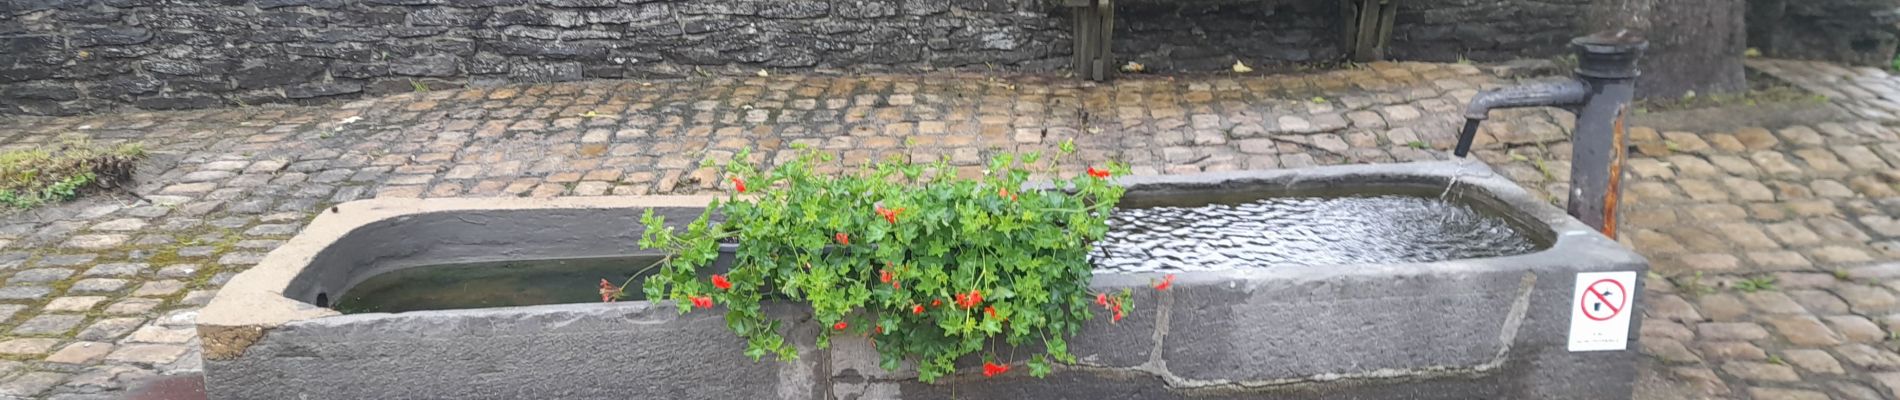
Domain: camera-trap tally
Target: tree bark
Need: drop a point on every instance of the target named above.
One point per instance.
(1695, 46)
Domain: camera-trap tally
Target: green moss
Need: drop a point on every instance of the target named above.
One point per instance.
(50, 174)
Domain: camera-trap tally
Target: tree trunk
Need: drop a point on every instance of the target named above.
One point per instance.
(1695, 46)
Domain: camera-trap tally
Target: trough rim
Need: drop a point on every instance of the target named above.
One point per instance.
(254, 300)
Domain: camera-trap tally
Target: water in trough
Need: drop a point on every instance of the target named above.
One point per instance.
(1148, 233)
(1238, 230)
(492, 284)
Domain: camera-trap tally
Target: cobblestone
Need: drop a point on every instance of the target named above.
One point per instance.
(1804, 187)
(116, 270)
(80, 353)
(1856, 328)
(1733, 351)
(1795, 202)
(1805, 331)
(29, 346)
(74, 303)
(159, 288)
(1889, 379)
(1758, 371)
(132, 306)
(97, 285)
(39, 276)
(1815, 361)
(32, 383)
(49, 324)
(1731, 330)
(110, 329)
(1867, 300)
(162, 335)
(1864, 356)
(149, 354)
(1767, 393)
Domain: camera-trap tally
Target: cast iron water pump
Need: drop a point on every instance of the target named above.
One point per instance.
(1599, 95)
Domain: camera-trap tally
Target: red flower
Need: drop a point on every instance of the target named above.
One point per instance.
(1098, 173)
(889, 214)
(719, 281)
(991, 369)
(991, 310)
(1165, 282)
(878, 329)
(969, 300)
(840, 325)
(607, 291)
(917, 309)
(842, 238)
(1113, 305)
(1004, 193)
(738, 183)
(936, 302)
(702, 301)
(885, 275)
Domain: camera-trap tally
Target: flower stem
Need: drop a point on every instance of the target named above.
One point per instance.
(636, 274)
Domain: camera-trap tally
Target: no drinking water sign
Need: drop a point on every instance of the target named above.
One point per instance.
(1600, 313)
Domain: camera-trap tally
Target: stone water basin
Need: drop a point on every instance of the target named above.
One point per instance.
(1372, 281)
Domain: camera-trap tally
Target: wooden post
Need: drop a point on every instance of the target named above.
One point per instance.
(1094, 33)
(1107, 58)
(1388, 11)
(1368, 27)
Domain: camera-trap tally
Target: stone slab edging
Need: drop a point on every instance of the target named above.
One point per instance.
(254, 300)
(1506, 315)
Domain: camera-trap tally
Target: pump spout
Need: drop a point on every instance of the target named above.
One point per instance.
(1568, 94)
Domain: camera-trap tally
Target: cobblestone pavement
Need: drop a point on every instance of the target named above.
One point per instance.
(101, 292)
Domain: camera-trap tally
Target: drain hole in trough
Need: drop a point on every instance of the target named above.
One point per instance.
(323, 299)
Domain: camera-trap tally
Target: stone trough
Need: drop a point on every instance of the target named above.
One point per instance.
(1490, 328)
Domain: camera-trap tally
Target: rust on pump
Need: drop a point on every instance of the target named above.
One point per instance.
(1614, 195)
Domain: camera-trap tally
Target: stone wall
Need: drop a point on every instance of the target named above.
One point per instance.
(80, 56)
(70, 56)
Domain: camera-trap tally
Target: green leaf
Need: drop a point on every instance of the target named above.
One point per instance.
(1027, 254)
(1038, 367)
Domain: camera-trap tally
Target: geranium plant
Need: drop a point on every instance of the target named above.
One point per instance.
(930, 266)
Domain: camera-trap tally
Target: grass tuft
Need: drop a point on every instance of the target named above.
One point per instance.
(49, 174)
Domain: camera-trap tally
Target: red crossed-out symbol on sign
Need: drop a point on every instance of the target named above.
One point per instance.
(1603, 309)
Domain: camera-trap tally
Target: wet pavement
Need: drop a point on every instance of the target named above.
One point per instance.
(99, 294)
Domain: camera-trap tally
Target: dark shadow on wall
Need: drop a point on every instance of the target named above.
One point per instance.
(1209, 35)
(1485, 30)
(1859, 32)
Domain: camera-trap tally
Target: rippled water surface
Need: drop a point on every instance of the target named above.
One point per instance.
(1315, 230)
(1207, 232)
